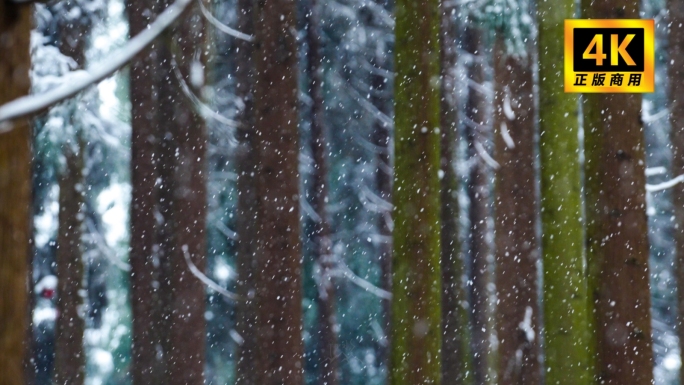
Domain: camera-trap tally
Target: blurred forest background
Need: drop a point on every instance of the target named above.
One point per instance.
(335, 192)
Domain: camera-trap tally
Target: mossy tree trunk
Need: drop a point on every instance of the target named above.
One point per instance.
(517, 245)
(676, 75)
(15, 194)
(456, 352)
(617, 226)
(416, 302)
(565, 302)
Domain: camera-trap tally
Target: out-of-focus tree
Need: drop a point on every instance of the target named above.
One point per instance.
(516, 202)
(617, 226)
(676, 74)
(74, 25)
(456, 350)
(478, 188)
(327, 349)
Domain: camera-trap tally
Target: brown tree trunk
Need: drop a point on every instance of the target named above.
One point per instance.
(326, 298)
(69, 366)
(168, 145)
(247, 195)
(15, 194)
(183, 202)
(517, 246)
(278, 293)
(478, 194)
(456, 358)
(617, 228)
(676, 75)
(146, 366)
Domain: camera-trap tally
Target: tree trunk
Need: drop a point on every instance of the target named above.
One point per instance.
(69, 366)
(70, 359)
(456, 352)
(183, 198)
(383, 183)
(617, 226)
(325, 261)
(566, 315)
(146, 366)
(478, 190)
(247, 168)
(278, 352)
(416, 336)
(517, 248)
(676, 75)
(15, 194)
(168, 174)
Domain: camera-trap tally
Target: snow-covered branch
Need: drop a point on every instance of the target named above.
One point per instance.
(32, 104)
(206, 280)
(665, 185)
(343, 270)
(222, 27)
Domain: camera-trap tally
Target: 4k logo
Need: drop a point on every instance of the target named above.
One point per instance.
(609, 56)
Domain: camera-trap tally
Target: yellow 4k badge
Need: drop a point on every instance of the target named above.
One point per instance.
(606, 56)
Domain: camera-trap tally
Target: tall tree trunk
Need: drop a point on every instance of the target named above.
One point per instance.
(617, 226)
(416, 336)
(478, 190)
(326, 298)
(146, 366)
(70, 359)
(676, 75)
(278, 293)
(15, 194)
(69, 366)
(183, 194)
(456, 352)
(168, 145)
(381, 99)
(247, 230)
(566, 315)
(517, 248)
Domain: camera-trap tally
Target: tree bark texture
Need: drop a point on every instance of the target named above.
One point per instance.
(416, 336)
(617, 226)
(515, 229)
(565, 302)
(15, 194)
(277, 299)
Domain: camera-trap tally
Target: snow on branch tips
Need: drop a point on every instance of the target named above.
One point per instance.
(32, 104)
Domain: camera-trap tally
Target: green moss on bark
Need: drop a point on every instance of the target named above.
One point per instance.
(416, 308)
(566, 318)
